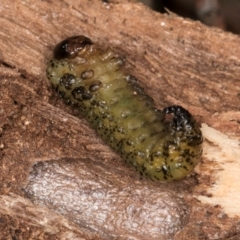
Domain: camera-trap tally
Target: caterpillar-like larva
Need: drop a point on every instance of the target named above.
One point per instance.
(92, 79)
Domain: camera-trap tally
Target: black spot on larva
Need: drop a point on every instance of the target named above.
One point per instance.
(87, 74)
(164, 169)
(67, 101)
(95, 86)
(62, 94)
(77, 93)
(132, 80)
(67, 80)
(76, 105)
(129, 143)
(181, 117)
(122, 113)
(86, 96)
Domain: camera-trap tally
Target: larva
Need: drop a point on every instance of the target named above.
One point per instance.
(122, 113)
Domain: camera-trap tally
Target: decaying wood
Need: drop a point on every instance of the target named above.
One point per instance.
(59, 180)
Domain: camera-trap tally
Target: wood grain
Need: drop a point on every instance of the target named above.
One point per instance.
(177, 61)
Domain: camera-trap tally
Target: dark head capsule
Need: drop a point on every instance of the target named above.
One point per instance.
(70, 47)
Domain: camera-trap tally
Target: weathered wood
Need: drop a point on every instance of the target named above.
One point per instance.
(189, 64)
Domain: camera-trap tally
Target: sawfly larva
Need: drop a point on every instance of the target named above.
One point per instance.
(92, 79)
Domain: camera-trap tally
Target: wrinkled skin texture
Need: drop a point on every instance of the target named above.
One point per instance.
(122, 113)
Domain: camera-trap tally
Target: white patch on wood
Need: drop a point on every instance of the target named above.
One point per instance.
(224, 165)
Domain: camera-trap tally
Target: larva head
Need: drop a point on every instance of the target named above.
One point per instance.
(70, 47)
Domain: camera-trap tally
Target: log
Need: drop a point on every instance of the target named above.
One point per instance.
(59, 180)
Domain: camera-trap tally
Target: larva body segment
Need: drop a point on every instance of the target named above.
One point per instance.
(122, 113)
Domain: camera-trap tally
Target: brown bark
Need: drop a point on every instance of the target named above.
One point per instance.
(59, 180)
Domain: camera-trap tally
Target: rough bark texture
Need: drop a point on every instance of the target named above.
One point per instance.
(59, 180)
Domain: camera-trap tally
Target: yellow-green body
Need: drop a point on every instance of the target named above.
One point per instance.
(123, 114)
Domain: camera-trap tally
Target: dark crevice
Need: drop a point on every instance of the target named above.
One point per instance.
(7, 65)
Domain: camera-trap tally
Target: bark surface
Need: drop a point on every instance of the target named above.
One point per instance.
(59, 180)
